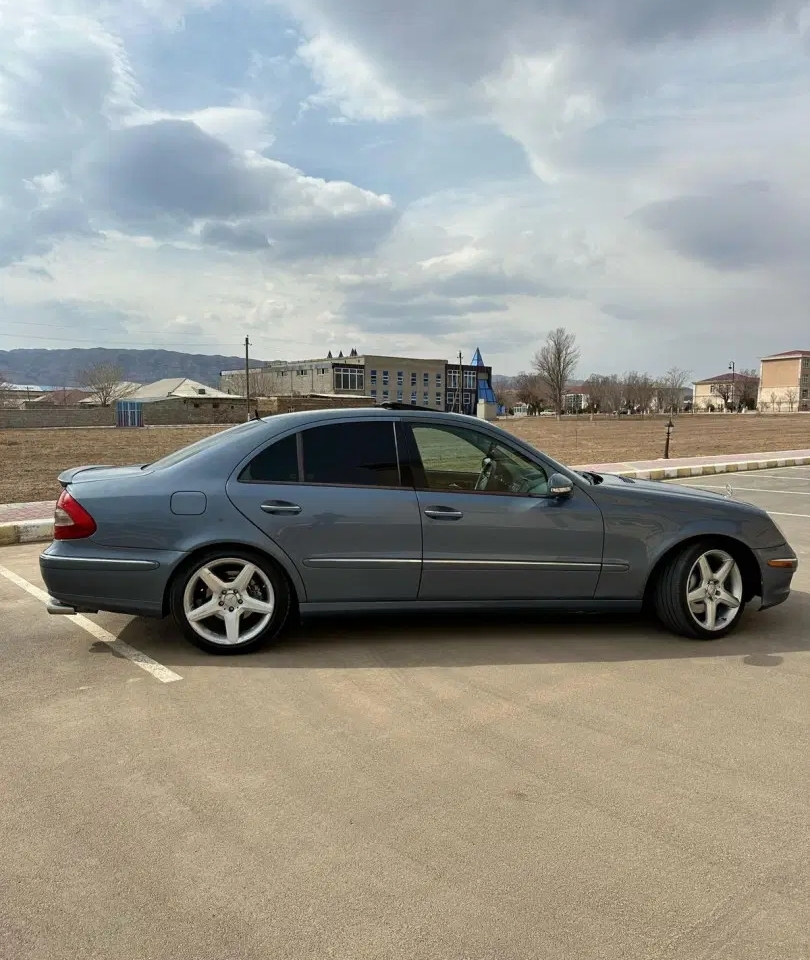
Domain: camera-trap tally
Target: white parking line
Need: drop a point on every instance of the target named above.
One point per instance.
(742, 486)
(158, 671)
(802, 516)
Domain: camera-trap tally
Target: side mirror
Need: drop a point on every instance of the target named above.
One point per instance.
(560, 486)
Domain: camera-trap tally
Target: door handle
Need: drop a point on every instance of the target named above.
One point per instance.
(280, 507)
(443, 513)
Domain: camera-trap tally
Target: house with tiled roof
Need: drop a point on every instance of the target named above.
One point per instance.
(784, 381)
(729, 390)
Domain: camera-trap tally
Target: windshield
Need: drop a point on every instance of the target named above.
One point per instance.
(185, 453)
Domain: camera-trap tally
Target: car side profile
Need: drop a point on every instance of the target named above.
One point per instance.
(389, 509)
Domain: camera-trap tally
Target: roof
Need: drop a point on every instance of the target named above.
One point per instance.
(123, 390)
(788, 355)
(180, 387)
(26, 388)
(62, 398)
(726, 378)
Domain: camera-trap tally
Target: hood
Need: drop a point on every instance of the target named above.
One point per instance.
(667, 491)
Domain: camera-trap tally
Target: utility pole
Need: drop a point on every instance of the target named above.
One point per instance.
(460, 380)
(733, 368)
(247, 375)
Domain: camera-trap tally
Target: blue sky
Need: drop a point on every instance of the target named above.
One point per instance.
(328, 174)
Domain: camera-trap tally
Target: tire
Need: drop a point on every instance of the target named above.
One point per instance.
(695, 570)
(241, 599)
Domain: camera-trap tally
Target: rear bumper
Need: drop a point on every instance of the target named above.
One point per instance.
(80, 580)
(776, 574)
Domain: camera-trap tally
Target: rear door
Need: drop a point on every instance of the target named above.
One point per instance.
(331, 497)
(490, 530)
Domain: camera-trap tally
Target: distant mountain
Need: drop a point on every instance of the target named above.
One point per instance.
(58, 368)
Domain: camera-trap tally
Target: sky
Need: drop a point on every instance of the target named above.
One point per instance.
(416, 178)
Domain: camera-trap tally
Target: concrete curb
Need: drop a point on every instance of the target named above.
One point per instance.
(710, 469)
(25, 531)
(40, 531)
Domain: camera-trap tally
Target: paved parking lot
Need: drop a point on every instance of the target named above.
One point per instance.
(451, 788)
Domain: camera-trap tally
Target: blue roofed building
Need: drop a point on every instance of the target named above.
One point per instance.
(469, 388)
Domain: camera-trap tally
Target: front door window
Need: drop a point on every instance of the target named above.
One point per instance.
(464, 460)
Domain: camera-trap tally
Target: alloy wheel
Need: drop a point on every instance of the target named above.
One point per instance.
(714, 590)
(229, 601)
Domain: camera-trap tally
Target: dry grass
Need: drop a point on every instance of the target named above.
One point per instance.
(618, 439)
(32, 459)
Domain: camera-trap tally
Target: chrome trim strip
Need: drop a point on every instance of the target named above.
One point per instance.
(88, 563)
(356, 561)
(378, 561)
(547, 564)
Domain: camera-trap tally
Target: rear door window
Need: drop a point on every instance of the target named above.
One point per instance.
(277, 463)
(360, 454)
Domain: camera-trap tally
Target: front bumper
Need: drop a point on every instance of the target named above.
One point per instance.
(777, 565)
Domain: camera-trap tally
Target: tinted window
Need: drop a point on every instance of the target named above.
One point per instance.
(277, 463)
(361, 454)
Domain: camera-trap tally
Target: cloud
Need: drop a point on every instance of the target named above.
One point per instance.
(239, 237)
(734, 228)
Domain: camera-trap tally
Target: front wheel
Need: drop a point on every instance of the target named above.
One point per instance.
(701, 592)
(230, 602)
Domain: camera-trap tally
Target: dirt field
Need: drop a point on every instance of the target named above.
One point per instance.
(32, 459)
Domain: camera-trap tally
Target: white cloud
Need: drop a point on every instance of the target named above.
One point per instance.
(351, 83)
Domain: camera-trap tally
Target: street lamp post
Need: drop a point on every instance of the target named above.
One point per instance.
(733, 370)
(670, 428)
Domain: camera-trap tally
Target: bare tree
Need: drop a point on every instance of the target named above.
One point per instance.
(596, 388)
(105, 382)
(672, 386)
(772, 398)
(5, 391)
(746, 389)
(529, 390)
(614, 393)
(791, 395)
(555, 363)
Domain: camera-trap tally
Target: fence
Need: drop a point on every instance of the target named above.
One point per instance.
(172, 412)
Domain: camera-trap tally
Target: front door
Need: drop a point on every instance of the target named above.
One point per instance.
(490, 531)
(332, 499)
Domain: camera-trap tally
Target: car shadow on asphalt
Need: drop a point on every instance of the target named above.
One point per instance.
(463, 640)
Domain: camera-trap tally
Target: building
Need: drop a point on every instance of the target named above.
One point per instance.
(469, 388)
(17, 395)
(784, 381)
(576, 399)
(177, 388)
(66, 397)
(725, 391)
(422, 382)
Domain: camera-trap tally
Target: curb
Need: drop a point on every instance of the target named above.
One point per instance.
(710, 469)
(25, 531)
(39, 531)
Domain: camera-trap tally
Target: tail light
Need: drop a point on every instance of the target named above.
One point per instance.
(70, 520)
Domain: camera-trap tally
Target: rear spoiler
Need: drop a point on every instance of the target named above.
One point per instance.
(67, 476)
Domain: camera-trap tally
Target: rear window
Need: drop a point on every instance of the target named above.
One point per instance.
(186, 453)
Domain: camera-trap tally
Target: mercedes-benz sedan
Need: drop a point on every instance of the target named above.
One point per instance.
(391, 509)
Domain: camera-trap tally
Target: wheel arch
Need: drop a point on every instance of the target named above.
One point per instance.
(742, 553)
(194, 555)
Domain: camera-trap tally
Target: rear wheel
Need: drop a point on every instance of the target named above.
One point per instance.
(701, 592)
(231, 602)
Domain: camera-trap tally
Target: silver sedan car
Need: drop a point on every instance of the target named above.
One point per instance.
(396, 509)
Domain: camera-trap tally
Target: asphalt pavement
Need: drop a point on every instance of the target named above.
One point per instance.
(510, 788)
